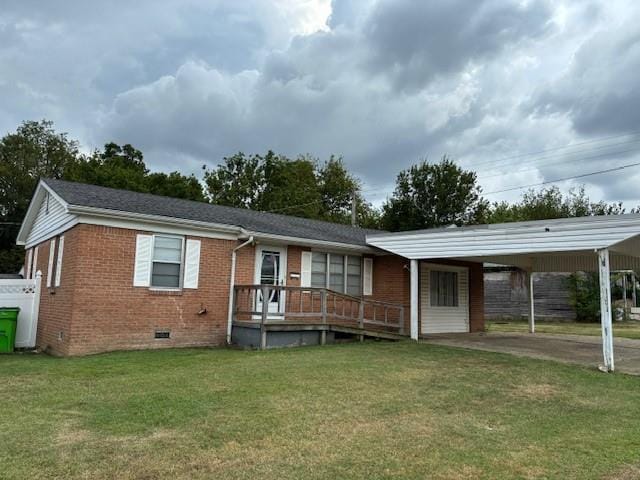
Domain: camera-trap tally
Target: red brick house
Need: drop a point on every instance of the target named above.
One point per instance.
(127, 270)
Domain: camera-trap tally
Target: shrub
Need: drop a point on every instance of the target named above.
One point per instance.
(584, 296)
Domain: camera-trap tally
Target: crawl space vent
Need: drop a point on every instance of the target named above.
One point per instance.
(163, 334)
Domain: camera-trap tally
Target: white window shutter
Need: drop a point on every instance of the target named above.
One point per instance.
(305, 269)
(35, 262)
(27, 273)
(192, 264)
(59, 261)
(367, 277)
(142, 269)
(52, 252)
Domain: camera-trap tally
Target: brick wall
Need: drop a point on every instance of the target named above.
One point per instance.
(56, 303)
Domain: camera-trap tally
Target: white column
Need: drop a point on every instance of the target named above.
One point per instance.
(605, 309)
(414, 299)
(532, 317)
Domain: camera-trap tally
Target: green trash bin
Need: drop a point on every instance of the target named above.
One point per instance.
(8, 324)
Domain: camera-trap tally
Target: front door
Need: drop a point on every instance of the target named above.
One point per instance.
(270, 270)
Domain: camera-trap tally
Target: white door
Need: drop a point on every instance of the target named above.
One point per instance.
(444, 299)
(271, 270)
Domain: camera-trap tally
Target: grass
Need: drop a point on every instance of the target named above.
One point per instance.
(369, 411)
(620, 329)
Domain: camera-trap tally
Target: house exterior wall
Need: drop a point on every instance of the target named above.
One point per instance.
(475, 291)
(56, 303)
(96, 308)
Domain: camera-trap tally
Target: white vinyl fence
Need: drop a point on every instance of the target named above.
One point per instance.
(24, 294)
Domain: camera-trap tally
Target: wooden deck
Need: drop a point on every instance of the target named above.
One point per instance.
(320, 310)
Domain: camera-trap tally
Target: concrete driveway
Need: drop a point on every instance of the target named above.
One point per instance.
(578, 349)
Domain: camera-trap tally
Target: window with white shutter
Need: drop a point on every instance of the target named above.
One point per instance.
(305, 267)
(52, 253)
(367, 276)
(59, 262)
(192, 264)
(142, 268)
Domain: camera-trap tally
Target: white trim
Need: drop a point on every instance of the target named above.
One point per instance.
(27, 274)
(232, 283)
(34, 269)
(414, 296)
(32, 211)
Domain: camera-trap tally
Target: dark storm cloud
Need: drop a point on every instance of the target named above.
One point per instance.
(415, 41)
(384, 82)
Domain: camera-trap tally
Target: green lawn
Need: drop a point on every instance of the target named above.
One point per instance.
(369, 411)
(620, 329)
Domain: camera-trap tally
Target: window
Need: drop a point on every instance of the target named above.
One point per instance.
(166, 261)
(318, 270)
(342, 273)
(443, 288)
(336, 272)
(354, 275)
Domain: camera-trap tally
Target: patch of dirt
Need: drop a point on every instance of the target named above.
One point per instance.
(538, 391)
(70, 434)
(628, 472)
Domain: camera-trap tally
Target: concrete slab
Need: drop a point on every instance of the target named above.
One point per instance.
(577, 349)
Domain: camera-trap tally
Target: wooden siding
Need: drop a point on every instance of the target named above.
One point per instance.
(51, 218)
(444, 319)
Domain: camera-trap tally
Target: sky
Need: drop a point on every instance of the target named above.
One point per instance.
(522, 92)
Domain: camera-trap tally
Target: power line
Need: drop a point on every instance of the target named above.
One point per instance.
(586, 142)
(622, 167)
(565, 156)
(605, 154)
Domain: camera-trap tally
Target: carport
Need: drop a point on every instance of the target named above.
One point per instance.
(599, 244)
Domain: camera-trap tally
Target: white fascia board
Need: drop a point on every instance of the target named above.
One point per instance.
(154, 223)
(32, 210)
(307, 242)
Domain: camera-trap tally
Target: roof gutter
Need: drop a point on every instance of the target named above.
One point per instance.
(232, 283)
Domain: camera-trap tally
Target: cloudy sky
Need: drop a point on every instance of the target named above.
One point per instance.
(523, 92)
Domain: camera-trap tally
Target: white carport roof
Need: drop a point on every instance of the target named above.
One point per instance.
(561, 245)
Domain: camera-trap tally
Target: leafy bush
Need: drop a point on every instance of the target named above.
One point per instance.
(584, 296)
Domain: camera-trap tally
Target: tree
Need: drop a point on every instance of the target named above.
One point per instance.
(301, 187)
(549, 203)
(237, 182)
(35, 150)
(124, 167)
(431, 195)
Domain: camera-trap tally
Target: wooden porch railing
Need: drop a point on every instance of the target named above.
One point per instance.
(305, 305)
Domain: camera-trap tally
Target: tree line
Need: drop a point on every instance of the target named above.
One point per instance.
(427, 195)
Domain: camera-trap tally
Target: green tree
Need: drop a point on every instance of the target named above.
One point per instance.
(35, 150)
(124, 167)
(431, 195)
(301, 187)
(549, 203)
(237, 182)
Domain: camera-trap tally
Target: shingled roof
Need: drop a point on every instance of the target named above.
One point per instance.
(85, 195)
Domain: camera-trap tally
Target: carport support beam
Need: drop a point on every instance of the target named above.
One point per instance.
(414, 299)
(605, 309)
(532, 318)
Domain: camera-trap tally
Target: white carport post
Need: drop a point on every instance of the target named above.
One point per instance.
(532, 318)
(414, 299)
(605, 309)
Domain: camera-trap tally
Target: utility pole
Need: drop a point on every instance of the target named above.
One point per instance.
(354, 205)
